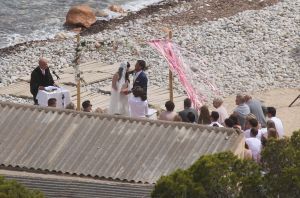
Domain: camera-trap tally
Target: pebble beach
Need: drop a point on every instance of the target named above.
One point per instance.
(254, 49)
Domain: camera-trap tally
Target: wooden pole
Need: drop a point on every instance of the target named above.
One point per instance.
(170, 74)
(78, 77)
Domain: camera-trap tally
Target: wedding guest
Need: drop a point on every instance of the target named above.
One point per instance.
(138, 104)
(229, 123)
(71, 106)
(242, 110)
(191, 117)
(255, 107)
(177, 118)
(248, 126)
(169, 114)
(52, 102)
(87, 106)
(278, 124)
(187, 104)
(40, 78)
(204, 117)
(272, 133)
(270, 124)
(236, 124)
(218, 104)
(214, 117)
(254, 145)
(247, 153)
(253, 123)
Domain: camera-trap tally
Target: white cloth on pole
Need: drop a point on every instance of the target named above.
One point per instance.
(62, 97)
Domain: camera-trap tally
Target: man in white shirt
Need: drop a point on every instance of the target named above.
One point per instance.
(218, 104)
(254, 145)
(138, 104)
(214, 116)
(278, 124)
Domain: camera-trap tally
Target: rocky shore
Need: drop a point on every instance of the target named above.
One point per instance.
(249, 45)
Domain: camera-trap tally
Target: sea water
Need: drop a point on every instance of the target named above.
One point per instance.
(26, 20)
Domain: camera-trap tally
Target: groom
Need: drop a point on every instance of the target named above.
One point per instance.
(140, 79)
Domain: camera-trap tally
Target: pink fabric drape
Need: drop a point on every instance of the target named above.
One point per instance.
(176, 63)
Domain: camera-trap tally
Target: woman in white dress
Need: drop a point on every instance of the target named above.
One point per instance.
(120, 86)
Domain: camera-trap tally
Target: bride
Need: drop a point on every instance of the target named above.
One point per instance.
(120, 86)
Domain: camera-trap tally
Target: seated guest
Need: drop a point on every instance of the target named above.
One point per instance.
(204, 117)
(254, 145)
(278, 124)
(247, 153)
(270, 124)
(138, 104)
(253, 123)
(272, 133)
(40, 78)
(191, 117)
(71, 106)
(52, 102)
(242, 110)
(168, 115)
(218, 104)
(229, 123)
(214, 117)
(87, 106)
(187, 108)
(177, 118)
(255, 107)
(236, 124)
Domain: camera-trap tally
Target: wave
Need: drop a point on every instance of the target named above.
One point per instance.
(53, 26)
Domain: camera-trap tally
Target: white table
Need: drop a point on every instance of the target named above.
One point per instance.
(62, 97)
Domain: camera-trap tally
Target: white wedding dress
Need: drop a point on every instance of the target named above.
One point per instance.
(119, 101)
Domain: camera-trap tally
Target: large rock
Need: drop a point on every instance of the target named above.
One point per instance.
(81, 15)
(116, 8)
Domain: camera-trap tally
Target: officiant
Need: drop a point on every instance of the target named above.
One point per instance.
(40, 78)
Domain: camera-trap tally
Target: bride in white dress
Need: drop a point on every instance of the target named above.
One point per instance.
(119, 98)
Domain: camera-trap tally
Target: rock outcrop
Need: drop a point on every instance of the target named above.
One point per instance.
(81, 15)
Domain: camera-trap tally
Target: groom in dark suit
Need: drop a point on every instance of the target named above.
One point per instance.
(140, 79)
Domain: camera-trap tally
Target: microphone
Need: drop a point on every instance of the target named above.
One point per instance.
(53, 72)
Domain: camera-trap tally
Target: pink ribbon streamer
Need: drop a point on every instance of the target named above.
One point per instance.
(172, 55)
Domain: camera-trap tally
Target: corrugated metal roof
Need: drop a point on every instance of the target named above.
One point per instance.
(63, 187)
(104, 146)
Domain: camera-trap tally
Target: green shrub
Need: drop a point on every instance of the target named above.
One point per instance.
(224, 175)
(281, 162)
(13, 189)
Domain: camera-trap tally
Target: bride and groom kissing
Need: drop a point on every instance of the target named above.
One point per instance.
(121, 88)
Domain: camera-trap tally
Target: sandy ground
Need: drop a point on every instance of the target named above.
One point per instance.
(280, 99)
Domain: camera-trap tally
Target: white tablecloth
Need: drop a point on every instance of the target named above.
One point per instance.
(62, 97)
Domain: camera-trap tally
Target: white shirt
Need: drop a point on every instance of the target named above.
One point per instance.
(222, 114)
(43, 71)
(137, 107)
(279, 126)
(255, 146)
(217, 123)
(258, 136)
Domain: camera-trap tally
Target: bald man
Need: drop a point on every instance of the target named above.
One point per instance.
(40, 78)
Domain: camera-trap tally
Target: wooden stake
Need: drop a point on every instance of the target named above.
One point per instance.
(78, 78)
